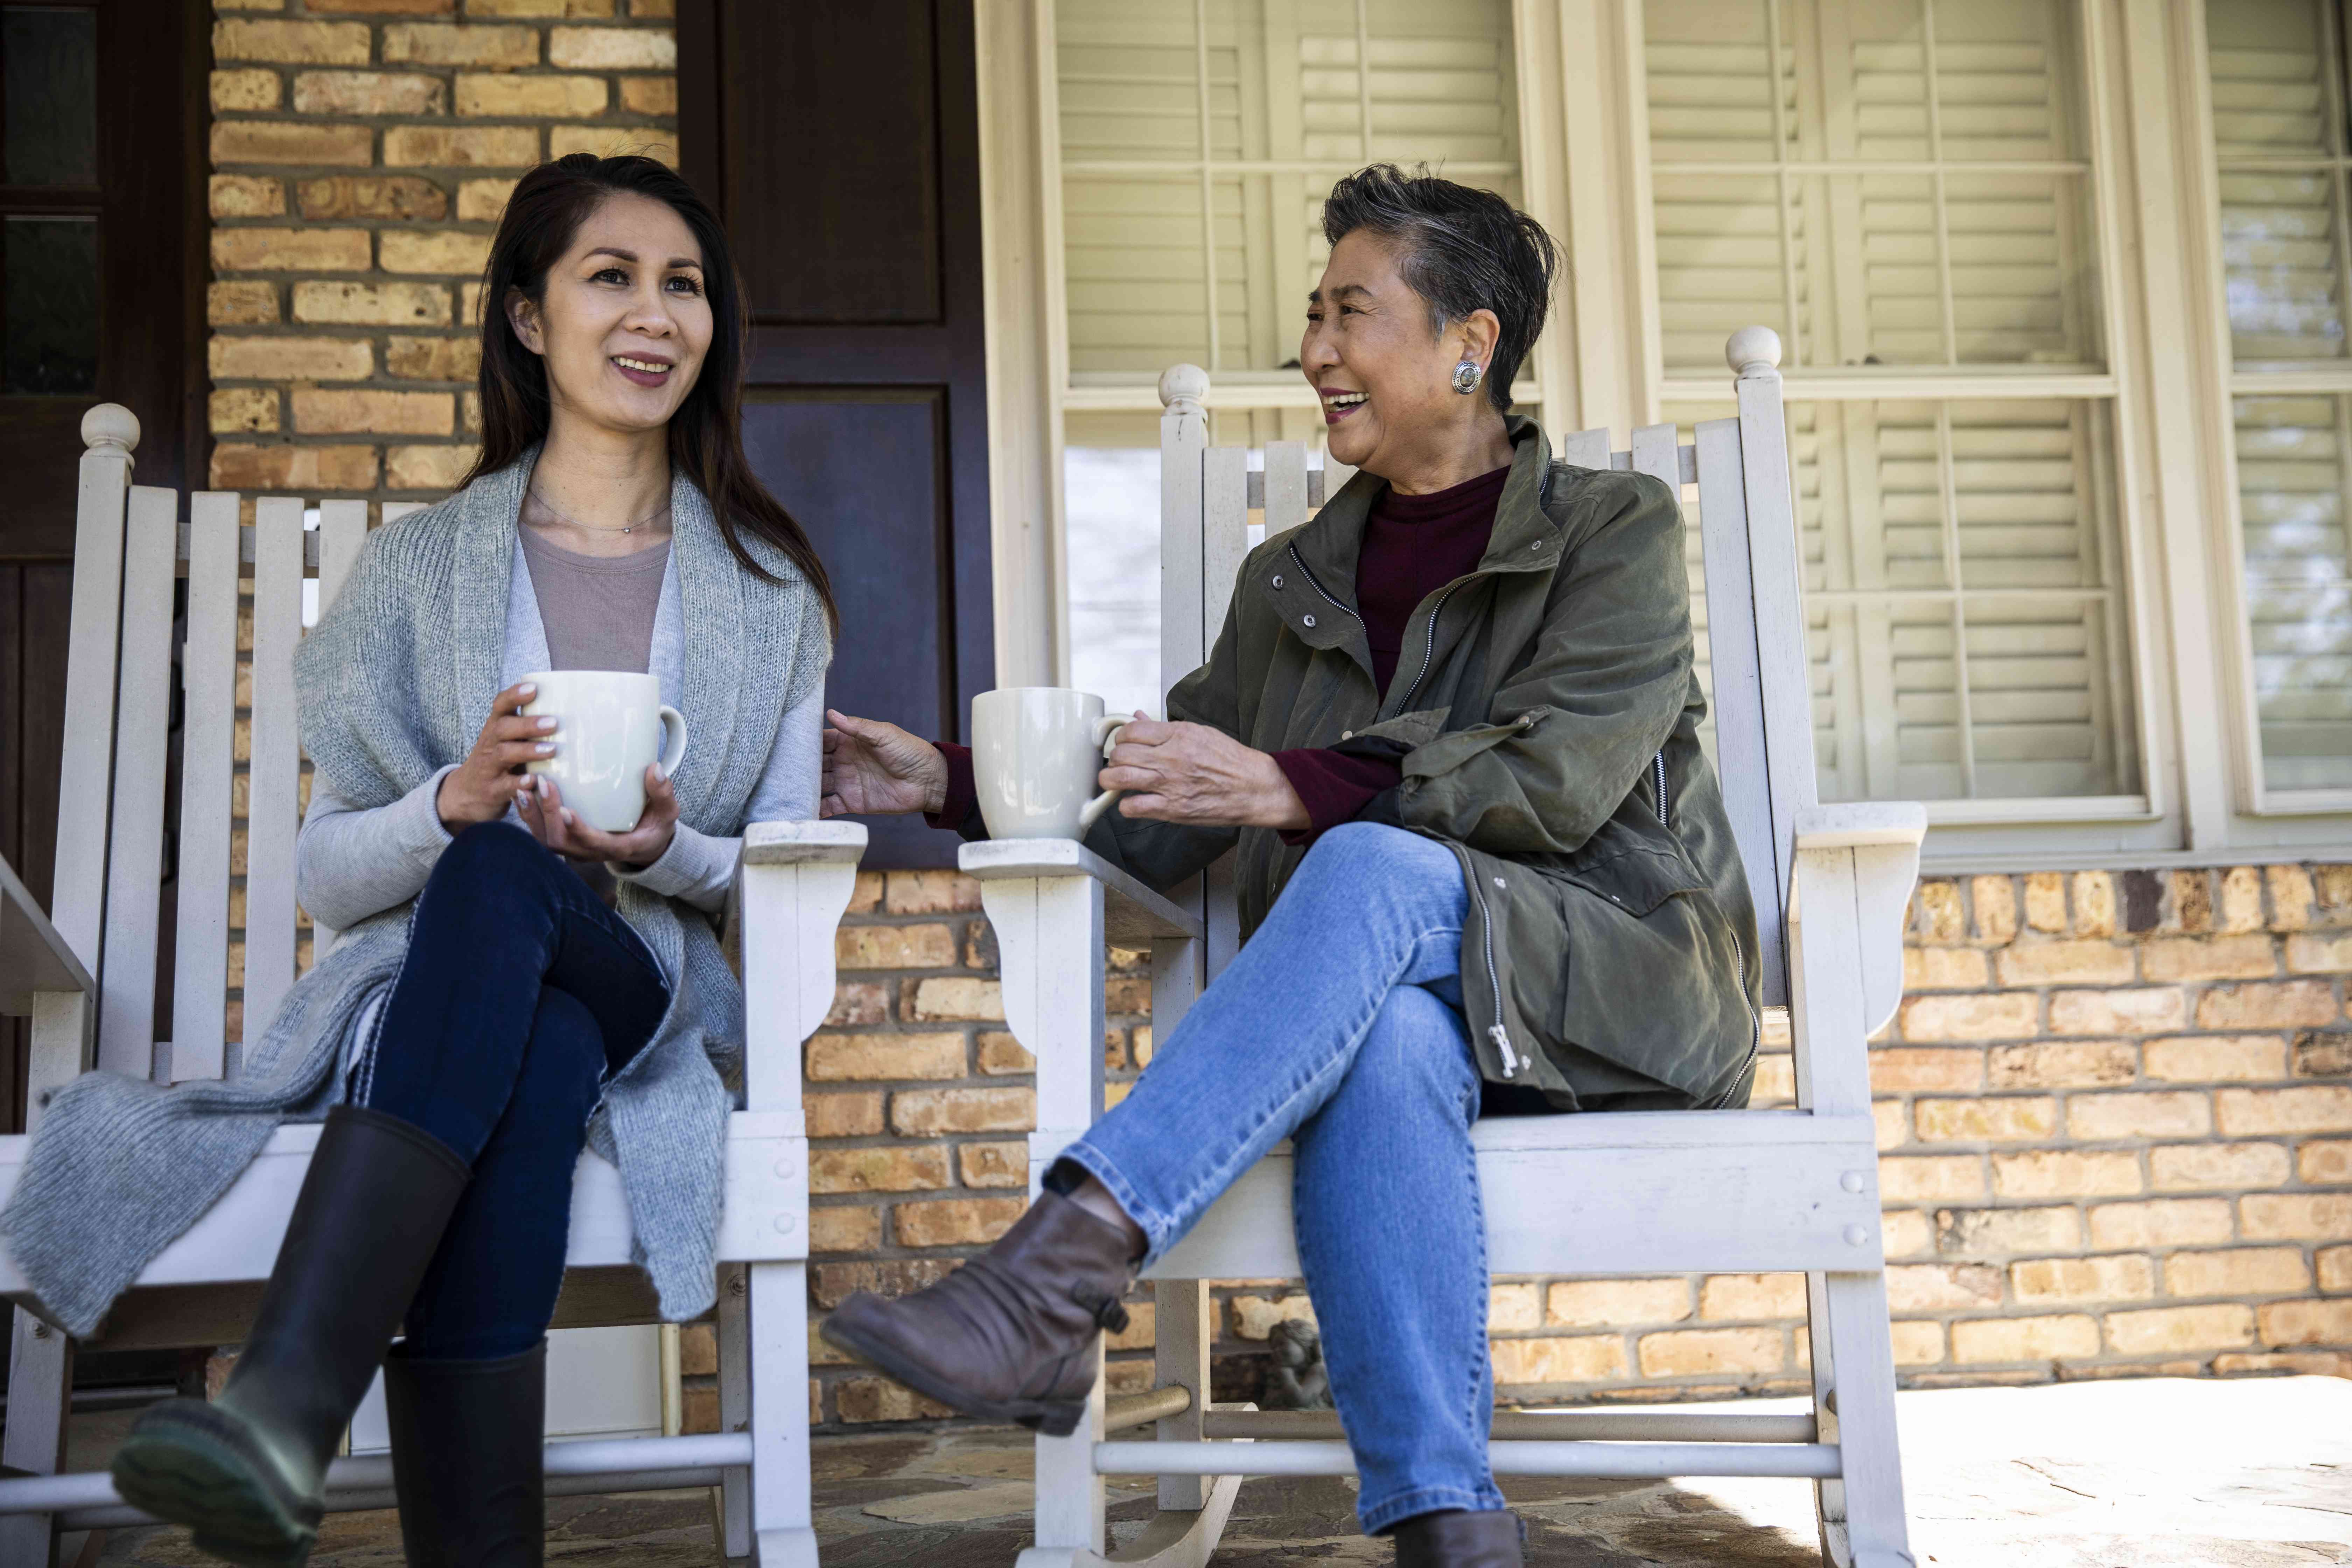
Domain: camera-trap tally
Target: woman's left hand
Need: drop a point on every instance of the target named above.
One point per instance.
(1198, 776)
(561, 830)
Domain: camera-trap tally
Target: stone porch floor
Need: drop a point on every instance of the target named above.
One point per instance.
(2127, 1474)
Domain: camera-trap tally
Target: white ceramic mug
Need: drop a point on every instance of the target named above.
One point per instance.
(609, 723)
(1036, 752)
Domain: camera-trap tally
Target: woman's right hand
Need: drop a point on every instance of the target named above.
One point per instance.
(874, 769)
(480, 788)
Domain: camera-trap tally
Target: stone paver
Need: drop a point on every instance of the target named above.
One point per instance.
(2124, 1474)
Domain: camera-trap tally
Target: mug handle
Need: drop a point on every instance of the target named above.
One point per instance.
(673, 724)
(1106, 729)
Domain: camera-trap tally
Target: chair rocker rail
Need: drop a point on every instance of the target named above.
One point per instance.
(1597, 1460)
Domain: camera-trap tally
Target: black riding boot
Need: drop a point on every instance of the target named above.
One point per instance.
(248, 1472)
(1461, 1538)
(467, 1459)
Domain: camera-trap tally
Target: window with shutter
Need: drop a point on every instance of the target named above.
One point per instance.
(2280, 147)
(1901, 190)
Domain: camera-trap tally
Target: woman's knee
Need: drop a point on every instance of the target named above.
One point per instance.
(564, 1063)
(1416, 1052)
(1362, 867)
(492, 863)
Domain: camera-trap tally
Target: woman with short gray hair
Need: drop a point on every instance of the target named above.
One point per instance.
(1450, 726)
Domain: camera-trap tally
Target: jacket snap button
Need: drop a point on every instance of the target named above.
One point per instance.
(1498, 881)
(1310, 622)
(1278, 582)
(1346, 734)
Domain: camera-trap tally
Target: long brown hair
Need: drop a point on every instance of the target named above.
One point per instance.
(706, 434)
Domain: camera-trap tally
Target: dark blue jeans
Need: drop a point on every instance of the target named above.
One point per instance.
(521, 994)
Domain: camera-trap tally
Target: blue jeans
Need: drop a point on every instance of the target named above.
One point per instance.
(1339, 1026)
(520, 994)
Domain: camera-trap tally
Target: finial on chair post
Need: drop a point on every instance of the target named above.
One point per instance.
(1182, 384)
(111, 424)
(1754, 351)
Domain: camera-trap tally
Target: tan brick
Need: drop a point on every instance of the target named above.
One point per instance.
(288, 359)
(541, 8)
(241, 303)
(1931, 1178)
(649, 94)
(372, 304)
(1605, 1303)
(1919, 1344)
(2192, 901)
(291, 43)
(483, 201)
(1579, 1358)
(2319, 953)
(652, 7)
(1937, 911)
(245, 196)
(2191, 1167)
(2089, 962)
(1001, 1053)
(1255, 1316)
(1941, 1287)
(2064, 1064)
(2316, 1108)
(2335, 884)
(283, 141)
(2213, 1058)
(2066, 1174)
(398, 196)
(233, 409)
(1906, 1233)
(861, 1400)
(931, 1112)
(319, 411)
(2050, 1281)
(434, 467)
(1892, 1118)
(843, 1228)
(298, 468)
(842, 1115)
(461, 146)
(2295, 1216)
(614, 141)
(433, 358)
(441, 250)
(2095, 903)
(2001, 1119)
(863, 1002)
(369, 92)
(441, 44)
(2004, 1232)
(2162, 1331)
(2136, 1012)
(1516, 1305)
(2242, 899)
(2307, 1322)
(531, 97)
(1681, 1353)
(2335, 1267)
(2198, 959)
(955, 1222)
(2168, 1113)
(2057, 1336)
(2315, 1363)
(885, 1057)
(2291, 897)
(878, 1170)
(2322, 1053)
(833, 1283)
(2160, 1222)
(931, 893)
(1735, 1296)
(2284, 1005)
(1945, 969)
(2241, 1271)
(2045, 902)
(1994, 1015)
(1907, 1071)
(290, 249)
(993, 1164)
(612, 48)
(955, 998)
(894, 947)
(1995, 900)
(2326, 1161)
(232, 90)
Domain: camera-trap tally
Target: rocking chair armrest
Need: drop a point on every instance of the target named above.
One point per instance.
(1133, 915)
(1862, 823)
(802, 842)
(34, 958)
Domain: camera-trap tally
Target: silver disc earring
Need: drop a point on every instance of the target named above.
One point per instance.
(1466, 378)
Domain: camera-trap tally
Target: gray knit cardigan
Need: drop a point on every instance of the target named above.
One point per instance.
(395, 683)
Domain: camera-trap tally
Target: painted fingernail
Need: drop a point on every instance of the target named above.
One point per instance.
(529, 688)
(546, 724)
(567, 814)
(544, 750)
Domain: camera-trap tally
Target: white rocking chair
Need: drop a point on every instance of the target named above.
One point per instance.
(1740, 1190)
(794, 886)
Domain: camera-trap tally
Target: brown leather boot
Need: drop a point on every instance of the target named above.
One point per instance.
(1005, 1337)
(1460, 1538)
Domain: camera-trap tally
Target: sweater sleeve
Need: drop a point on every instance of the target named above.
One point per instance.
(350, 862)
(1334, 786)
(959, 812)
(699, 867)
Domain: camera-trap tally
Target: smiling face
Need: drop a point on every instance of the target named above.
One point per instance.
(1383, 373)
(624, 321)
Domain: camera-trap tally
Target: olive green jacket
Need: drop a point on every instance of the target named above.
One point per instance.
(1545, 714)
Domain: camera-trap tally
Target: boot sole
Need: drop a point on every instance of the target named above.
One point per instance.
(1053, 1418)
(195, 1469)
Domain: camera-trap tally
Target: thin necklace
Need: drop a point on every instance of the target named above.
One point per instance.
(598, 528)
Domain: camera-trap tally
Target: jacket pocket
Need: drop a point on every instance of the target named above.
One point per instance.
(1638, 880)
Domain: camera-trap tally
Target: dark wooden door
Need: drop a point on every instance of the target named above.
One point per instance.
(101, 301)
(840, 140)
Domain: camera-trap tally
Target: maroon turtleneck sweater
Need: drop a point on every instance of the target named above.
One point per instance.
(1412, 547)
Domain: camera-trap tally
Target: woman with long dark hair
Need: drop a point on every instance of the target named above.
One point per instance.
(509, 980)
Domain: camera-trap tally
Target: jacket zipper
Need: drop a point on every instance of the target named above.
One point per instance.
(1494, 1031)
(1318, 587)
(1428, 652)
(1658, 784)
